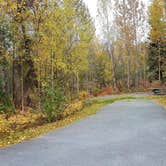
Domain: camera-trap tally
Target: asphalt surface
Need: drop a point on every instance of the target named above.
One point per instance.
(125, 133)
(136, 95)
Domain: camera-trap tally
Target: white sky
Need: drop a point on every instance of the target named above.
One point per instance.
(92, 4)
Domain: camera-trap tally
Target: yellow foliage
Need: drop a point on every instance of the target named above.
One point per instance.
(17, 122)
(83, 95)
(72, 108)
(156, 15)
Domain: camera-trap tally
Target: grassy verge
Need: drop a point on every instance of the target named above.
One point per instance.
(23, 127)
(159, 99)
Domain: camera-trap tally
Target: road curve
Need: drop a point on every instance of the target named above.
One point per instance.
(125, 133)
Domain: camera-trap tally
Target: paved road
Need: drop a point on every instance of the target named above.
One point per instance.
(136, 95)
(126, 133)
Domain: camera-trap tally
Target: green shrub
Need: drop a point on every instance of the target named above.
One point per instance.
(6, 105)
(53, 102)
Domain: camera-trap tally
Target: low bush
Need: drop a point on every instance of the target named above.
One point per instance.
(108, 91)
(72, 108)
(6, 106)
(96, 91)
(54, 103)
(83, 95)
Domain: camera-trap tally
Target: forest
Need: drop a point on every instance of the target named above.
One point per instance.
(51, 55)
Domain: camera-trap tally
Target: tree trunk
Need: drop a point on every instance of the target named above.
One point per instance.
(22, 84)
(77, 79)
(159, 64)
(110, 53)
(52, 70)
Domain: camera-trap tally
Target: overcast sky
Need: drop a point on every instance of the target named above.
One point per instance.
(92, 5)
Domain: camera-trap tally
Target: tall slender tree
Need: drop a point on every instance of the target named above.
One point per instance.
(157, 51)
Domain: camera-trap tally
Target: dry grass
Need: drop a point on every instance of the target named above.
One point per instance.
(160, 100)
